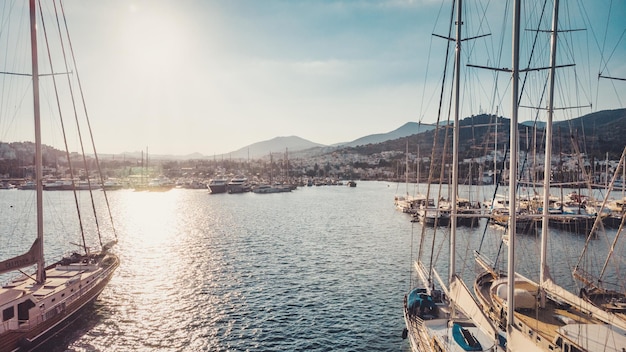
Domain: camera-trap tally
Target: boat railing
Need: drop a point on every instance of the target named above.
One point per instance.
(584, 276)
(417, 330)
(592, 282)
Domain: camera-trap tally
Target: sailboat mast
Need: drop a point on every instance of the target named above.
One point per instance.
(38, 157)
(548, 157)
(495, 153)
(455, 142)
(406, 169)
(513, 166)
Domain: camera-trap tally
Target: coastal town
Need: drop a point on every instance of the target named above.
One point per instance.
(332, 168)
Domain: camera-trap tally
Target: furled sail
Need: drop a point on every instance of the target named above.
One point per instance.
(21, 261)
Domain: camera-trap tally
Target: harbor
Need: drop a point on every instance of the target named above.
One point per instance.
(310, 269)
(491, 221)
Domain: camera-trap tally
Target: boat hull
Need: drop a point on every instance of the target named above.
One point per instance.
(25, 339)
(221, 188)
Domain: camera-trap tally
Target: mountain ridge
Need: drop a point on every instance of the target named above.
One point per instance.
(599, 131)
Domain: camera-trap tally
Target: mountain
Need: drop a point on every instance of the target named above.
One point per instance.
(539, 124)
(408, 129)
(473, 134)
(594, 134)
(277, 144)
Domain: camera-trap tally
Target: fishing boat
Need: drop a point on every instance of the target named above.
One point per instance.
(36, 306)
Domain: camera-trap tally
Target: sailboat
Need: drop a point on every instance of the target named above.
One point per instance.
(540, 316)
(448, 318)
(407, 203)
(35, 306)
(271, 187)
(605, 295)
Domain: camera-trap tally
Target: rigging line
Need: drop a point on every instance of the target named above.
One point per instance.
(421, 115)
(585, 14)
(445, 142)
(78, 129)
(82, 96)
(430, 170)
(481, 15)
(411, 256)
(436, 133)
(8, 82)
(587, 241)
(586, 89)
(497, 259)
(532, 52)
(615, 48)
(486, 138)
(606, 31)
(495, 192)
(80, 137)
(442, 172)
(587, 178)
(606, 263)
(497, 102)
(67, 151)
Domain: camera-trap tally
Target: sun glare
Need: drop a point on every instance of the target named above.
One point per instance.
(154, 225)
(152, 42)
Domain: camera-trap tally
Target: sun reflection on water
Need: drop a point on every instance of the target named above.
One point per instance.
(150, 268)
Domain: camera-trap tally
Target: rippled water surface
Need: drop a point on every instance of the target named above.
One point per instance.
(320, 268)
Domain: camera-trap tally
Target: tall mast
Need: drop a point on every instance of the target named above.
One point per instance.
(513, 167)
(38, 159)
(543, 275)
(455, 142)
(495, 153)
(406, 169)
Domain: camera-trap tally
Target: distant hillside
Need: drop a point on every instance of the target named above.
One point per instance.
(594, 134)
(299, 147)
(475, 133)
(408, 129)
(278, 144)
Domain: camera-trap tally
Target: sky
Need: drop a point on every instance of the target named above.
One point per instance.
(211, 76)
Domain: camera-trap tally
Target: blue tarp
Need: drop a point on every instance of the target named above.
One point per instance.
(419, 301)
(465, 339)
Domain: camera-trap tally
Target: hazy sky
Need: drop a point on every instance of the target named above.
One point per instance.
(207, 76)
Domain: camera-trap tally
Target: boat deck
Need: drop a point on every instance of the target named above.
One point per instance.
(57, 278)
(536, 322)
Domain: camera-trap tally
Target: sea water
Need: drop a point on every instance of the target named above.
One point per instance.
(320, 268)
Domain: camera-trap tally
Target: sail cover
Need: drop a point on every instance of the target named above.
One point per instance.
(21, 261)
